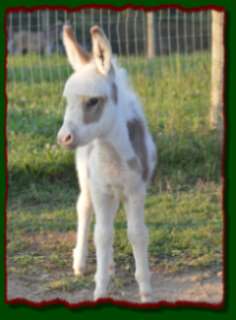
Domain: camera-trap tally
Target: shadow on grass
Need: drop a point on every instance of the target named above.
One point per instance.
(184, 160)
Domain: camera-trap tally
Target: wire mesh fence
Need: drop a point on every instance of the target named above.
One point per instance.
(36, 53)
(167, 54)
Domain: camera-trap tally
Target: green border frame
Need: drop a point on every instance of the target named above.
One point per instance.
(108, 310)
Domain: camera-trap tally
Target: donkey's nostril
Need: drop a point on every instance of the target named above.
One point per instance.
(68, 139)
(65, 139)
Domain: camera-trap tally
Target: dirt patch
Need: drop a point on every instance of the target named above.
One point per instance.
(198, 286)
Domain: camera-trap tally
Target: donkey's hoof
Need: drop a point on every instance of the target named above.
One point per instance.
(79, 272)
(146, 297)
(98, 294)
(78, 265)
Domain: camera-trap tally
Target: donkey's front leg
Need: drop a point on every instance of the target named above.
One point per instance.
(138, 236)
(105, 207)
(84, 210)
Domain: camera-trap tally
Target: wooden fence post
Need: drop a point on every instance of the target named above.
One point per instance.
(150, 36)
(217, 72)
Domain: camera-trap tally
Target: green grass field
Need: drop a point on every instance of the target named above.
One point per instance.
(184, 204)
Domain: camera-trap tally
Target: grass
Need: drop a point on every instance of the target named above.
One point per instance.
(183, 208)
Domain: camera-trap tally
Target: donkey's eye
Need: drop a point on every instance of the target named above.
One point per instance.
(91, 102)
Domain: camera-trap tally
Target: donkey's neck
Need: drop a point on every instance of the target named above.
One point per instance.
(118, 138)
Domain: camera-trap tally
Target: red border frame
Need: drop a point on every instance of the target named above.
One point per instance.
(163, 303)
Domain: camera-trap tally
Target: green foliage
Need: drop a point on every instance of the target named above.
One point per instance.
(183, 208)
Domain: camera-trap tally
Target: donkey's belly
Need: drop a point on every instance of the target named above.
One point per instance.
(116, 179)
(110, 171)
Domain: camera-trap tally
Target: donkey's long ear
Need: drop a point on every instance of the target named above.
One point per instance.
(101, 50)
(77, 56)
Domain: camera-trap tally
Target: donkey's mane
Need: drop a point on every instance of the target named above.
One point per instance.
(128, 101)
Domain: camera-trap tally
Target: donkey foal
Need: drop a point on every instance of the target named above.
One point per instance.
(115, 155)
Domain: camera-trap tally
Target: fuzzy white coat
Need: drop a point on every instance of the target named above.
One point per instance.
(103, 153)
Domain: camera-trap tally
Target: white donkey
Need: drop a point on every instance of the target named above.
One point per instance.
(115, 155)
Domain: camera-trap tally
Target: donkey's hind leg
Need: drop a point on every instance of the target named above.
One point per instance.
(138, 236)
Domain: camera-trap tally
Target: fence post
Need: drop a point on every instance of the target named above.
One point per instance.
(217, 64)
(150, 35)
(45, 21)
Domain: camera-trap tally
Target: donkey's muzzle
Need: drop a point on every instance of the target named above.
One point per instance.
(66, 139)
